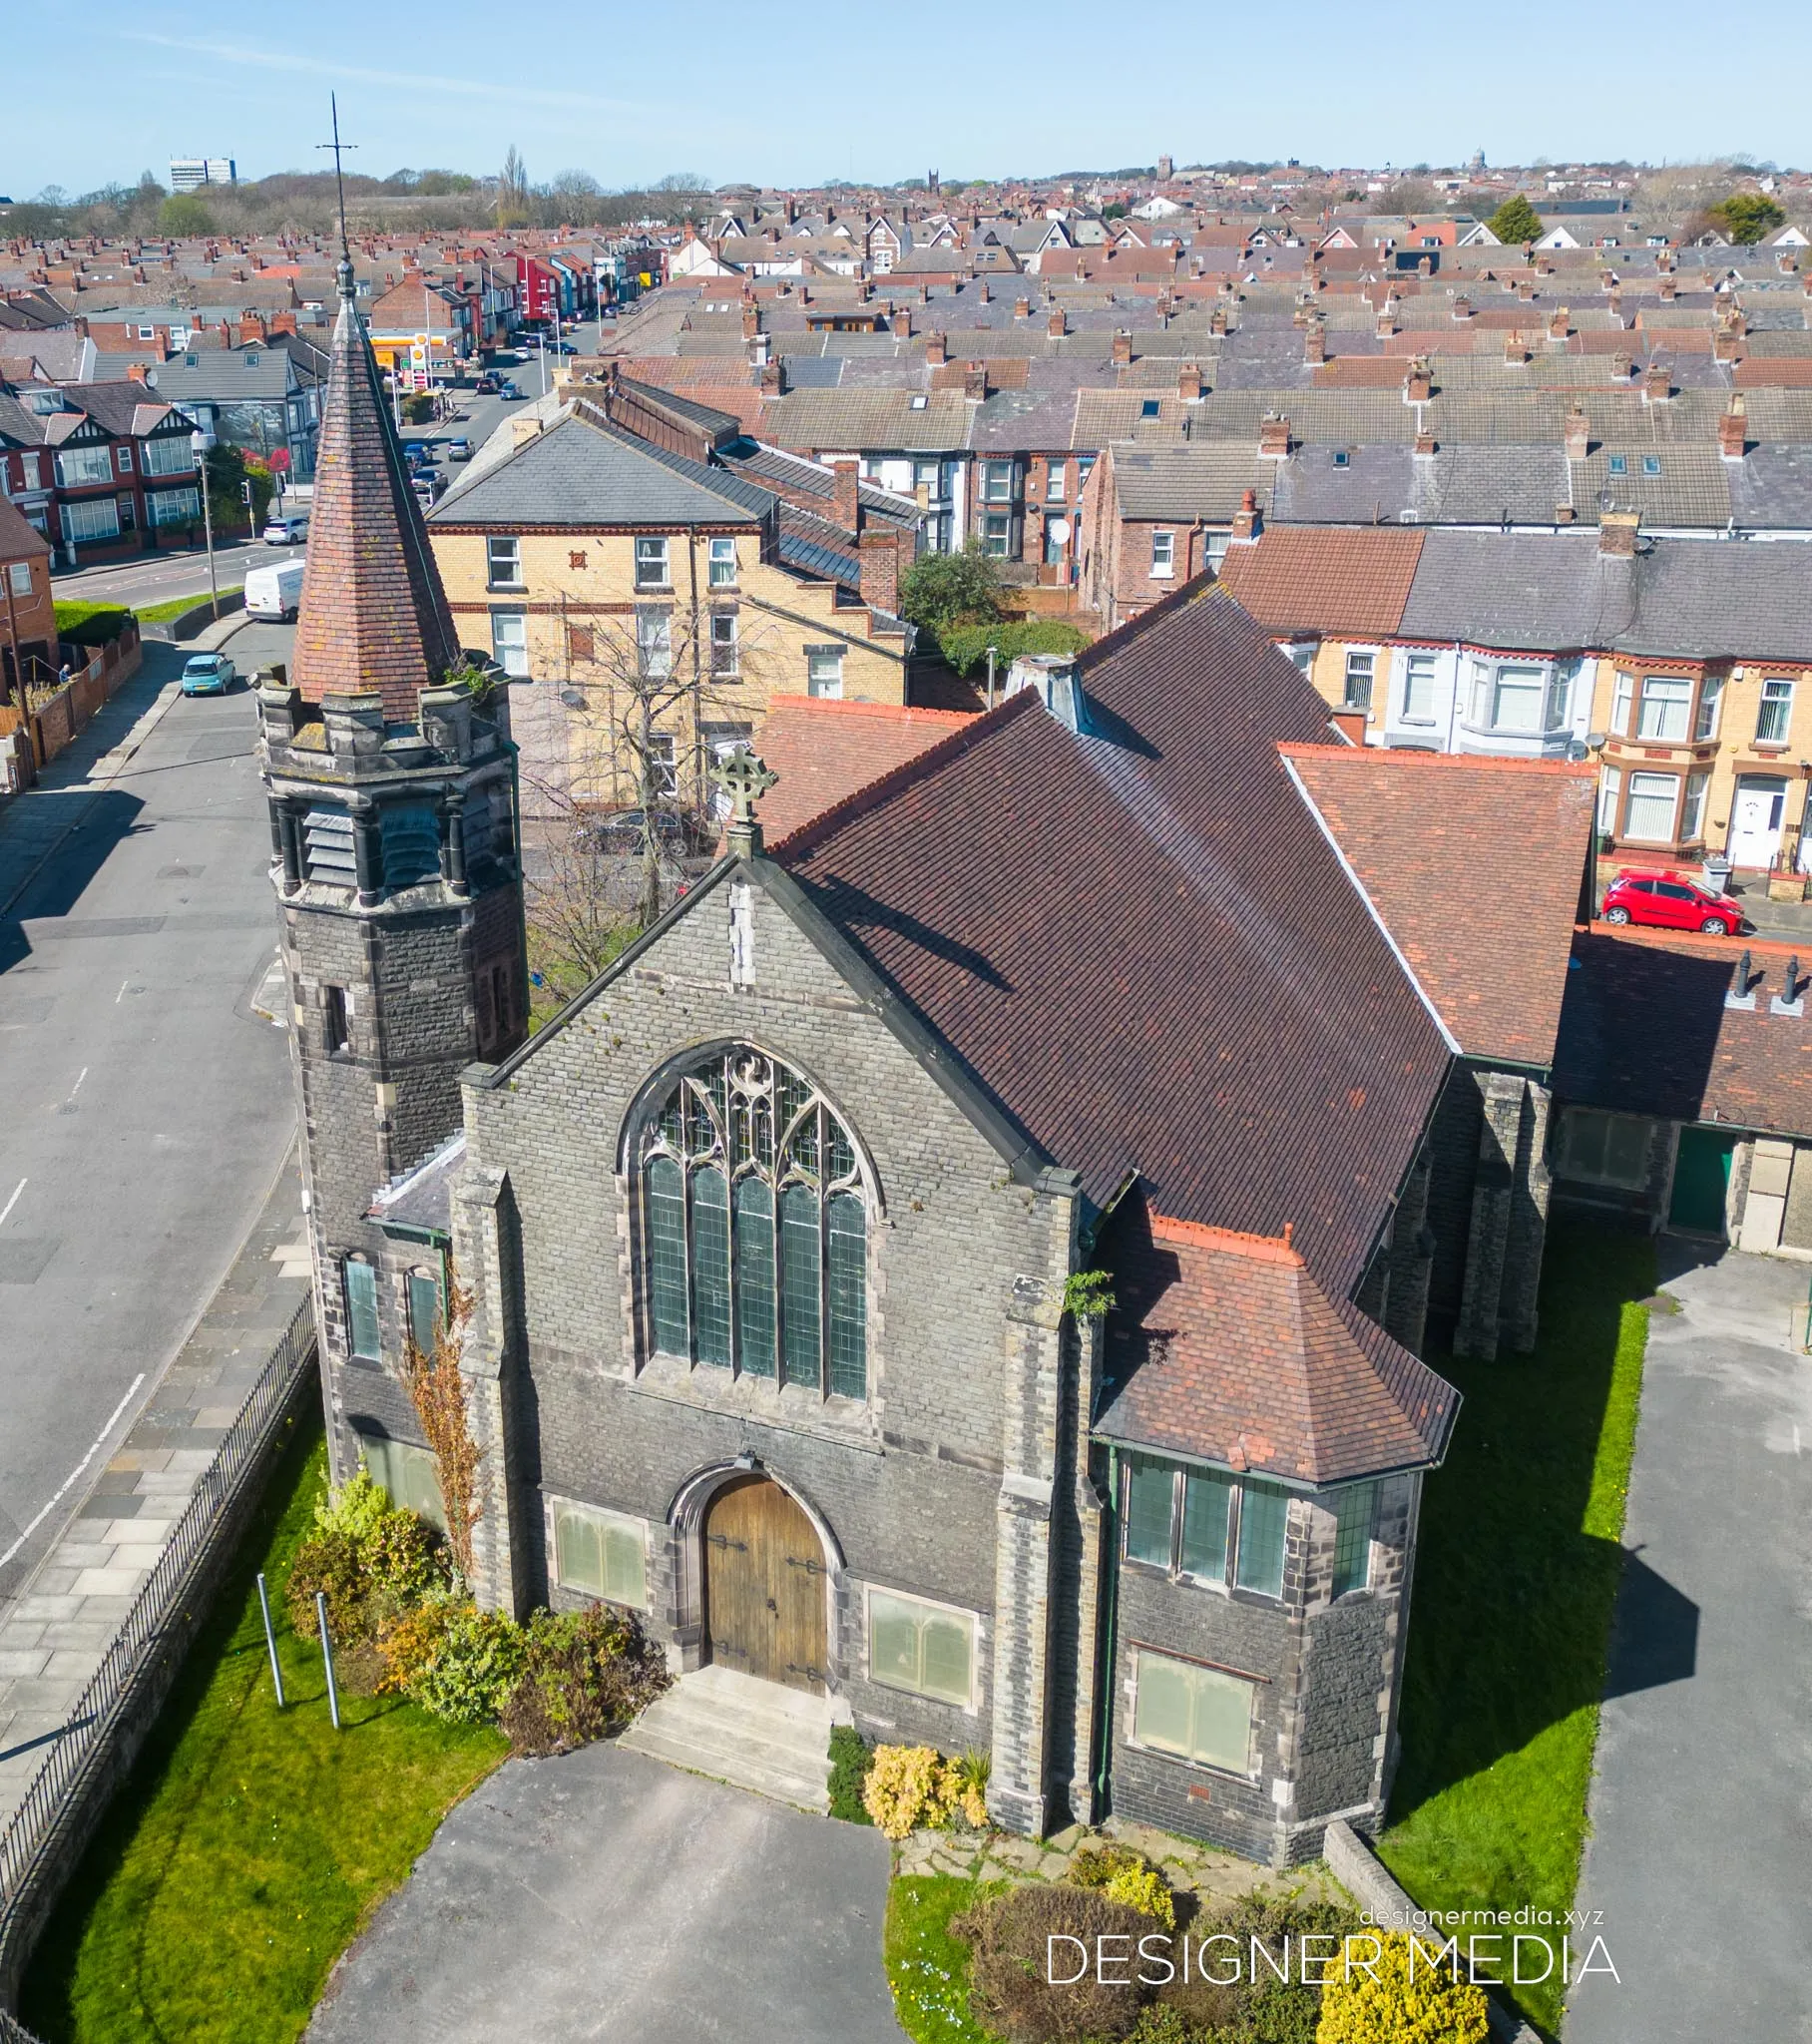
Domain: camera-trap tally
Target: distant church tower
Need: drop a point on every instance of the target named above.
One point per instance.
(391, 781)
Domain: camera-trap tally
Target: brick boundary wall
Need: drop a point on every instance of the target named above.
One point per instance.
(42, 1845)
(61, 719)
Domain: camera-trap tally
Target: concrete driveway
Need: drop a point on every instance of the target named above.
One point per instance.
(1700, 1857)
(606, 1895)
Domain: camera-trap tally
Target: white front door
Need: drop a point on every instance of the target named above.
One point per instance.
(1755, 823)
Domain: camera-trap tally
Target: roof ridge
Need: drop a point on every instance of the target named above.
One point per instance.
(1205, 584)
(1650, 938)
(885, 786)
(1262, 1248)
(834, 707)
(1304, 748)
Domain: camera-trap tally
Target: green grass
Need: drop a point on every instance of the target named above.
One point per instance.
(927, 1968)
(163, 613)
(248, 1846)
(91, 624)
(1515, 1581)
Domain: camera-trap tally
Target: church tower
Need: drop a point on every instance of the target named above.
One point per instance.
(391, 780)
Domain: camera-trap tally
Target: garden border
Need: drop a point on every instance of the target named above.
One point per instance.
(110, 1720)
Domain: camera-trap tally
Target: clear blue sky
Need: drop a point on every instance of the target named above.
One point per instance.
(806, 92)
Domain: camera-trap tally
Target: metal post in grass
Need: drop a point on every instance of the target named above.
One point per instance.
(276, 1673)
(333, 1702)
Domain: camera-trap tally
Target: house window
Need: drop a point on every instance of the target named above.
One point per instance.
(1355, 1512)
(20, 572)
(1610, 783)
(424, 1311)
(1516, 698)
(407, 1473)
(600, 1554)
(1148, 407)
(1054, 483)
(1263, 1514)
(1357, 693)
(723, 564)
(997, 482)
(1199, 1714)
(1711, 690)
(997, 534)
(927, 1649)
(1191, 1522)
(510, 641)
(174, 507)
(1085, 467)
(650, 564)
(1605, 1149)
(1301, 657)
(1666, 707)
(824, 671)
(91, 519)
(723, 643)
(1419, 689)
(503, 561)
(77, 466)
(1652, 800)
(1693, 816)
(125, 453)
(360, 1283)
(1651, 464)
(336, 1025)
(1163, 555)
(653, 642)
(172, 454)
(1775, 716)
(756, 1226)
(1622, 700)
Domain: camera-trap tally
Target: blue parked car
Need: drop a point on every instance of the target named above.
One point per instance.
(208, 674)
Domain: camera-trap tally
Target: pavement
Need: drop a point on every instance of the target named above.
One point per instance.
(1700, 1853)
(604, 1897)
(146, 1103)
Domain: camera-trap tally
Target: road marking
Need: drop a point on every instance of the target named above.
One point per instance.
(13, 1202)
(121, 995)
(131, 1392)
(75, 1088)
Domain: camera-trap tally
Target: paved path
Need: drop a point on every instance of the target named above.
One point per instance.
(145, 1105)
(606, 1897)
(1701, 1850)
(53, 1636)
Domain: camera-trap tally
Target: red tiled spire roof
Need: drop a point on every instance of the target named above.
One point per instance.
(374, 614)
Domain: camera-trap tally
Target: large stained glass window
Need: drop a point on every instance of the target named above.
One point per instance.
(756, 1226)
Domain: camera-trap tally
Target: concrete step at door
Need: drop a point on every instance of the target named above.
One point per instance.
(755, 1735)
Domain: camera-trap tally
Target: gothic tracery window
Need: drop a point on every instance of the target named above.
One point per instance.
(756, 1226)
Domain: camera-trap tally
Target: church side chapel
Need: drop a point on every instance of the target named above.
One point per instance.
(786, 1240)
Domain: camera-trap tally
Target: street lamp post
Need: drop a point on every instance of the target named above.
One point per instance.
(200, 443)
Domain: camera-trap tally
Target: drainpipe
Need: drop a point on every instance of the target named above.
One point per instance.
(1103, 1652)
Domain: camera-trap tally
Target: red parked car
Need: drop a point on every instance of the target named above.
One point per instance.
(1670, 902)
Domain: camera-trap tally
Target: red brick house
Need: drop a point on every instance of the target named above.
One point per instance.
(28, 612)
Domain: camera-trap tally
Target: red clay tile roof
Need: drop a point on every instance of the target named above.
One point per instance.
(1351, 580)
(372, 614)
(824, 750)
(1222, 1347)
(19, 538)
(1419, 829)
(1645, 1031)
(1140, 943)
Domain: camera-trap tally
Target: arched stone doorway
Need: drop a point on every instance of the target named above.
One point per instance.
(765, 1581)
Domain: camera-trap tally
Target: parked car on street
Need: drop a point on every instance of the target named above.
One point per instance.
(208, 674)
(429, 486)
(1671, 901)
(508, 389)
(459, 450)
(286, 528)
(486, 387)
(562, 347)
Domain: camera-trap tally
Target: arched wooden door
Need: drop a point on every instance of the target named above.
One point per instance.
(764, 1585)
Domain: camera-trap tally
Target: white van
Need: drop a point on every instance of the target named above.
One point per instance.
(274, 592)
(287, 528)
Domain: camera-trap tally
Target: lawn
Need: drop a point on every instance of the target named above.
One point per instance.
(1515, 1581)
(162, 613)
(927, 1968)
(250, 1847)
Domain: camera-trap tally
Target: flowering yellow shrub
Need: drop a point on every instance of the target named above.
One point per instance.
(906, 1789)
(1144, 1888)
(1408, 2002)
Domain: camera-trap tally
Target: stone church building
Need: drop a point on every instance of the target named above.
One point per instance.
(774, 1234)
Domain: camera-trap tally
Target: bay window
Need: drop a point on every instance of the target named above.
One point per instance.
(1711, 690)
(1652, 800)
(1355, 1514)
(1419, 689)
(1515, 702)
(1693, 816)
(1666, 707)
(1623, 696)
(1610, 786)
(77, 466)
(170, 454)
(174, 507)
(92, 518)
(1204, 1524)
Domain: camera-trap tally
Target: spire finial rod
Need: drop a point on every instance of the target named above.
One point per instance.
(338, 148)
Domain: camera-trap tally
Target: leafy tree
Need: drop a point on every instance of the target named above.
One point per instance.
(965, 647)
(229, 470)
(1747, 216)
(1114, 212)
(1516, 221)
(942, 590)
(184, 213)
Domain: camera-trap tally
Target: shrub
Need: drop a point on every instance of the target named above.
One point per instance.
(1094, 1866)
(419, 409)
(471, 1673)
(1407, 1999)
(1010, 1986)
(409, 1641)
(942, 590)
(374, 1560)
(582, 1673)
(1259, 2008)
(1160, 2023)
(1144, 1888)
(965, 647)
(851, 1756)
(906, 1789)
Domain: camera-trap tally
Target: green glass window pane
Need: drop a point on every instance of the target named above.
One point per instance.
(361, 1309)
(1151, 1487)
(803, 1149)
(578, 1550)
(424, 1311)
(710, 1265)
(944, 1640)
(667, 1255)
(893, 1641)
(1222, 1734)
(1263, 1512)
(1355, 1508)
(847, 1260)
(839, 1152)
(407, 1473)
(673, 1123)
(1161, 1711)
(799, 1284)
(623, 1571)
(1204, 1526)
(754, 1278)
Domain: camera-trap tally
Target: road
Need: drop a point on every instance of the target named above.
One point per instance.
(147, 1108)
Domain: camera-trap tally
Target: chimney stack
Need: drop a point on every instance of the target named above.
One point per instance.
(1218, 321)
(1122, 348)
(975, 382)
(1314, 342)
(845, 511)
(1387, 319)
(1622, 368)
(1247, 524)
(1617, 534)
(902, 322)
(1273, 437)
(1516, 349)
(1657, 383)
(1670, 290)
(1425, 444)
(1732, 430)
(878, 552)
(1559, 324)
(1578, 434)
(1419, 384)
(936, 351)
(1463, 307)
(1056, 325)
(1188, 383)
(751, 323)
(1022, 309)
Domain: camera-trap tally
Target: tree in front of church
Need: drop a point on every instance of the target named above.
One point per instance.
(1516, 221)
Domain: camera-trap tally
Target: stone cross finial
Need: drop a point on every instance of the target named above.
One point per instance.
(745, 778)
